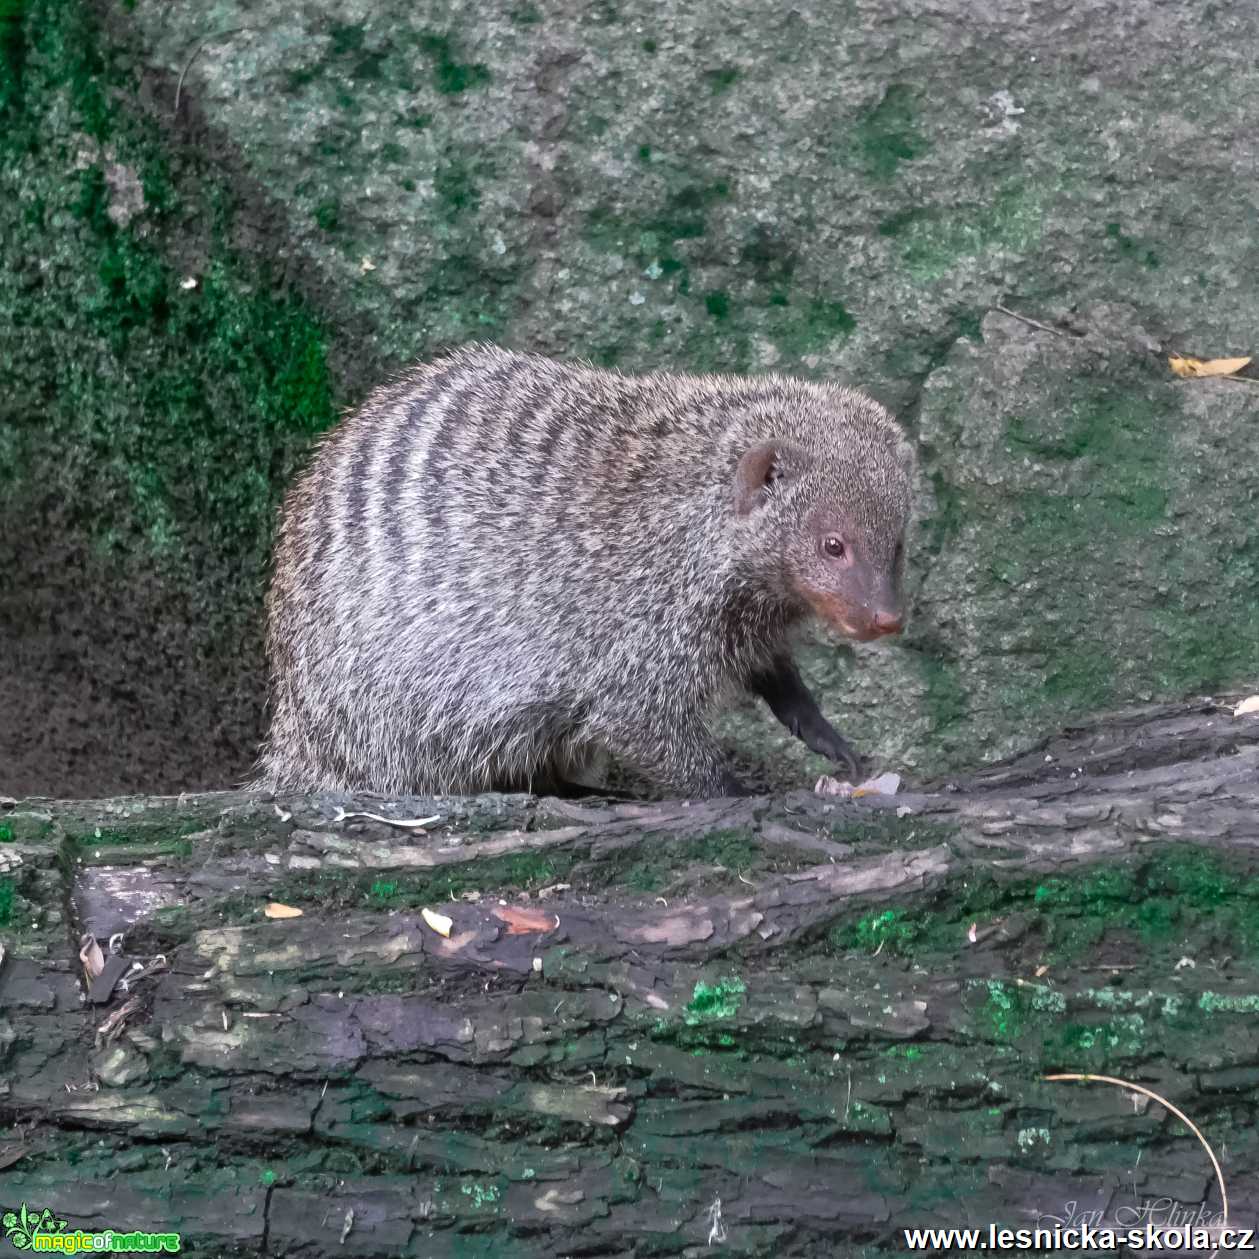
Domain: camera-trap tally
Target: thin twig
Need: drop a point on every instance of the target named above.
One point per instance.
(196, 52)
(1032, 323)
(1162, 1101)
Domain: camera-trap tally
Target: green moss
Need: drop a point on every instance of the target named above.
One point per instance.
(450, 75)
(717, 303)
(944, 696)
(649, 45)
(715, 1002)
(1106, 443)
(1224, 1003)
(12, 51)
(722, 79)
(887, 133)
(1003, 1009)
(881, 829)
(932, 241)
(6, 833)
(167, 377)
(6, 901)
(1130, 248)
(526, 15)
(810, 326)
(328, 215)
(722, 854)
(1181, 894)
(770, 257)
(337, 889)
(456, 189)
(873, 932)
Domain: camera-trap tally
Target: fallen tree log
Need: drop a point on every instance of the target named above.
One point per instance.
(516, 1026)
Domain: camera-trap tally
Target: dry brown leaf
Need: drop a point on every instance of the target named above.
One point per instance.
(439, 922)
(883, 785)
(276, 910)
(525, 921)
(1185, 366)
(91, 956)
(1249, 705)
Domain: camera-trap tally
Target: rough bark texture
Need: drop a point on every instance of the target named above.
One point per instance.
(781, 1026)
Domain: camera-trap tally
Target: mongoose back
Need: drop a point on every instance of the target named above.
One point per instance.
(503, 565)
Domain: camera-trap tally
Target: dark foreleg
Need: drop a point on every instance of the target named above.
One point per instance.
(783, 689)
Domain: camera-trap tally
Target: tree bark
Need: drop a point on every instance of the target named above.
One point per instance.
(778, 1026)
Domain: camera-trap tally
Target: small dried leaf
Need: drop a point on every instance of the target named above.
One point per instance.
(1249, 705)
(1188, 367)
(883, 785)
(525, 921)
(91, 956)
(1040, 970)
(276, 910)
(438, 922)
(973, 934)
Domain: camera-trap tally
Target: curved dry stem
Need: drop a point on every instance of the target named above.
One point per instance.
(1162, 1101)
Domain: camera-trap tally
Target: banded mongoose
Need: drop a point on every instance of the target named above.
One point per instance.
(502, 565)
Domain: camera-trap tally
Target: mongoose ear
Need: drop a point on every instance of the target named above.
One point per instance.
(759, 468)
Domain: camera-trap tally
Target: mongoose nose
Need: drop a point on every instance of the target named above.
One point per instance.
(888, 622)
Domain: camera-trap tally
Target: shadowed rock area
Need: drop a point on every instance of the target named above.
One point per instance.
(191, 288)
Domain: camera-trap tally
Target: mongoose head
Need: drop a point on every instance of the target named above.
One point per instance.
(833, 500)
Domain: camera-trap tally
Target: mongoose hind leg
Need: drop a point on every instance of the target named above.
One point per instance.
(673, 749)
(783, 689)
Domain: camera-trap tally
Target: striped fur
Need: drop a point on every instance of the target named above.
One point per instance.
(502, 564)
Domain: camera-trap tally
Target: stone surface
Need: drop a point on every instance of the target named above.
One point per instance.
(844, 190)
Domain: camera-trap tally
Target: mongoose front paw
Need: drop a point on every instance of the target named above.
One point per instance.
(828, 742)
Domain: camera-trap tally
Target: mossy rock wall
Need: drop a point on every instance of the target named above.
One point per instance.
(220, 226)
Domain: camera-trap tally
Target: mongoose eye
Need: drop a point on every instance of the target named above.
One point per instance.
(834, 547)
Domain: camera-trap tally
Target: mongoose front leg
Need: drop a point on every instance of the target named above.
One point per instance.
(783, 689)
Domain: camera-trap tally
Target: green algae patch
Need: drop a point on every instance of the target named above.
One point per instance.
(1222, 1003)
(168, 376)
(932, 241)
(715, 1002)
(1161, 902)
(872, 932)
(887, 133)
(706, 863)
(7, 889)
(450, 75)
(878, 830)
(349, 889)
(1130, 248)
